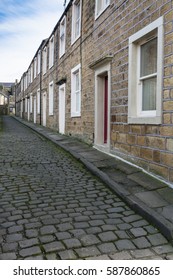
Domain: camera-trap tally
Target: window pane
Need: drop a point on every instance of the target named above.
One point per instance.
(99, 5)
(77, 28)
(77, 101)
(77, 11)
(62, 38)
(149, 58)
(77, 24)
(77, 81)
(63, 26)
(62, 33)
(149, 95)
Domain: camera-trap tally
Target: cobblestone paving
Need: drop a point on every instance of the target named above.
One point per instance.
(51, 207)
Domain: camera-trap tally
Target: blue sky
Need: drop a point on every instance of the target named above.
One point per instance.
(23, 25)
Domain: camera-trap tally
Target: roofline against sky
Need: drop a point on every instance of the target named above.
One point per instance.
(45, 41)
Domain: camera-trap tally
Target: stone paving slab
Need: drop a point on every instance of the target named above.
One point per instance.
(52, 207)
(56, 137)
(147, 181)
(167, 212)
(152, 199)
(105, 164)
(167, 194)
(122, 166)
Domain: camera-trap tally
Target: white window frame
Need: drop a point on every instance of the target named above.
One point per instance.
(51, 98)
(21, 107)
(38, 62)
(51, 52)
(35, 67)
(74, 111)
(26, 104)
(31, 79)
(134, 84)
(22, 84)
(103, 6)
(25, 81)
(31, 103)
(38, 101)
(75, 20)
(62, 106)
(29, 76)
(62, 37)
(44, 60)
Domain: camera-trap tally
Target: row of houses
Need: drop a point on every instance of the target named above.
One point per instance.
(105, 76)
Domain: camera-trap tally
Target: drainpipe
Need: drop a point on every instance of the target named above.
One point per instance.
(81, 57)
(41, 85)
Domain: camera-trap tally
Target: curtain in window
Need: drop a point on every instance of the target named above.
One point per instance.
(149, 95)
(148, 69)
(77, 24)
(77, 91)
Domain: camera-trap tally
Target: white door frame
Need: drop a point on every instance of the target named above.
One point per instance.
(100, 73)
(35, 109)
(44, 108)
(28, 105)
(21, 108)
(62, 109)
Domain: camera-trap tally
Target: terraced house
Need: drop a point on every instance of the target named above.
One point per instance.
(105, 75)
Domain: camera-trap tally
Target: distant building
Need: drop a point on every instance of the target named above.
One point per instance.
(105, 75)
(7, 98)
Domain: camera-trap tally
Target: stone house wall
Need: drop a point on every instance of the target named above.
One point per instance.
(104, 44)
(150, 146)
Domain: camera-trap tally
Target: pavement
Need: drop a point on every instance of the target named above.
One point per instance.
(52, 207)
(150, 197)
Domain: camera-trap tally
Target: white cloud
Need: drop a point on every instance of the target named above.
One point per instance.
(22, 32)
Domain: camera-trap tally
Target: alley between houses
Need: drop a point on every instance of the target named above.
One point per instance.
(52, 207)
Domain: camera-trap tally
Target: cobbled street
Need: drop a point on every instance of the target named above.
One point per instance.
(51, 207)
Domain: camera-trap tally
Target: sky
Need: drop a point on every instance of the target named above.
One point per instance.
(23, 26)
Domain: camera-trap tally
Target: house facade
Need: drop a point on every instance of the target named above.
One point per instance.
(105, 75)
(7, 102)
(3, 103)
